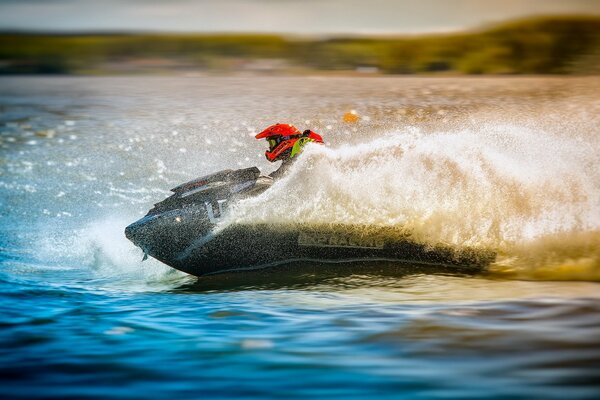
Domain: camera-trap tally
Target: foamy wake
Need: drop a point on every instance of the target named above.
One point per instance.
(530, 195)
(101, 248)
(533, 196)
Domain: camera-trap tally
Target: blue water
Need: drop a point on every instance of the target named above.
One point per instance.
(82, 317)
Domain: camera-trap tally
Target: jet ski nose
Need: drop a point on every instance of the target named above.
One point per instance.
(130, 232)
(149, 232)
(138, 231)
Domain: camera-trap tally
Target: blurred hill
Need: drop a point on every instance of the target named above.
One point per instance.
(550, 45)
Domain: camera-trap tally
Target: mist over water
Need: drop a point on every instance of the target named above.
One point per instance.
(531, 195)
(507, 164)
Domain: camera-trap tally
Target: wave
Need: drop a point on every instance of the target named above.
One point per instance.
(101, 250)
(530, 195)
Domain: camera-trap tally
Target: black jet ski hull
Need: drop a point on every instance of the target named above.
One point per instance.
(186, 231)
(248, 247)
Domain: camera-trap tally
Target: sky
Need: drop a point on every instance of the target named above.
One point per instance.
(277, 16)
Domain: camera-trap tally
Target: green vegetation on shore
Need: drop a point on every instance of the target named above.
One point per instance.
(551, 45)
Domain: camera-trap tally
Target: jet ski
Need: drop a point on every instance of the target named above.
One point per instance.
(186, 231)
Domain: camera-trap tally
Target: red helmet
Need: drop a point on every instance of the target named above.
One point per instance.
(282, 138)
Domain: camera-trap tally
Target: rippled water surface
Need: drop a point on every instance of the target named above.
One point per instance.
(508, 164)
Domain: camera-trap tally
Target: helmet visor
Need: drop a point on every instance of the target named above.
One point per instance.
(274, 141)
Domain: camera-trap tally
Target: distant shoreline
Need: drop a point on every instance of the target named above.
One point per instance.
(537, 46)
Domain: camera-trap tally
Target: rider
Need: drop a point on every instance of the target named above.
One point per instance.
(285, 142)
